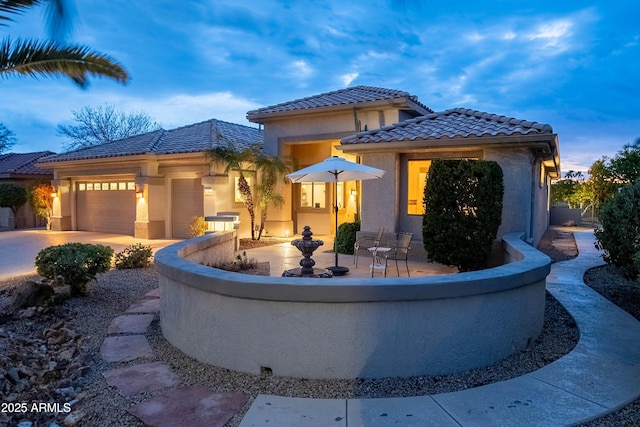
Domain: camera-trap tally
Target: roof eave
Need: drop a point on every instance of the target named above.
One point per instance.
(399, 102)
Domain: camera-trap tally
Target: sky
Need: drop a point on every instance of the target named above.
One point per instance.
(572, 64)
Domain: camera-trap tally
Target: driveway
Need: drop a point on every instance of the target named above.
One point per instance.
(18, 248)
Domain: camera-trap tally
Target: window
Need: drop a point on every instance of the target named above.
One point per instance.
(313, 195)
(93, 186)
(416, 179)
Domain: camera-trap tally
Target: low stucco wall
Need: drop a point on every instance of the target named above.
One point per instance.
(351, 327)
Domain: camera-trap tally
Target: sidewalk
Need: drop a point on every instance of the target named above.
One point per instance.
(597, 377)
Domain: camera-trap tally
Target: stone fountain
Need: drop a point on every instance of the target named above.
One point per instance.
(307, 245)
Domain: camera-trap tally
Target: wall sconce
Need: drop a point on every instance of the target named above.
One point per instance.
(354, 193)
(208, 191)
(139, 193)
(54, 192)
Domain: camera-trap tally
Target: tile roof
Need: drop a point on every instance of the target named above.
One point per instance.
(453, 123)
(13, 164)
(348, 96)
(193, 138)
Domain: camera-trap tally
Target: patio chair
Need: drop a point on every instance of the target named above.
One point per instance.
(401, 250)
(365, 242)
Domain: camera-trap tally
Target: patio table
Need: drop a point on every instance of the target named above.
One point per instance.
(377, 255)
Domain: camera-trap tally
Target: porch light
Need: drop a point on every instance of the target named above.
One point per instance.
(139, 193)
(208, 191)
(354, 193)
(54, 192)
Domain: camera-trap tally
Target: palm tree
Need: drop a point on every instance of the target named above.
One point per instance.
(271, 170)
(235, 161)
(53, 57)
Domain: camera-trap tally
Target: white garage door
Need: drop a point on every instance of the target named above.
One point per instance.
(108, 207)
(186, 202)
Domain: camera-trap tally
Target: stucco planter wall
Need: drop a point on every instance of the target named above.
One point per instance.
(351, 327)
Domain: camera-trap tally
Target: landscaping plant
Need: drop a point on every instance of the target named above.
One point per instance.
(13, 197)
(346, 237)
(40, 199)
(134, 256)
(463, 210)
(197, 226)
(619, 236)
(75, 264)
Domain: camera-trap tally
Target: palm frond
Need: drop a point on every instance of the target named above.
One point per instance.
(15, 7)
(47, 58)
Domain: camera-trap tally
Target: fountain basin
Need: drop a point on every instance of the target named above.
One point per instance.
(349, 327)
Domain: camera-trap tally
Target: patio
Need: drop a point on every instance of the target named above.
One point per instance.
(285, 256)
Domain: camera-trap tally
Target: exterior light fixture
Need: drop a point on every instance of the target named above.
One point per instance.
(54, 192)
(354, 193)
(139, 193)
(208, 191)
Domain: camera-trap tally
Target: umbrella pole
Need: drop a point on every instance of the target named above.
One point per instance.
(336, 270)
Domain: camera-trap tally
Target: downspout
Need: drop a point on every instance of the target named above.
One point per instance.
(532, 211)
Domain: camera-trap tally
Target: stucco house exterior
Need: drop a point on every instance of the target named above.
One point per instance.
(20, 169)
(151, 185)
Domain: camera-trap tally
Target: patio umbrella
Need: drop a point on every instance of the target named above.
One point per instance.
(335, 169)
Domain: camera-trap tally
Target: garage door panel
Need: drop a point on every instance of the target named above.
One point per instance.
(107, 211)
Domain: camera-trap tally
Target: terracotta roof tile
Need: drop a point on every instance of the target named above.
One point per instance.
(193, 138)
(12, 164)
(351, 95)
(454, 123)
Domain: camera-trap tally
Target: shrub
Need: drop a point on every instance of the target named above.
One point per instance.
(134, 256)
(76, 264)
(198, 226)
(463, 210)
(13, 197)
(241, 263)
(346, 237)
(39, 194)
(619, 236)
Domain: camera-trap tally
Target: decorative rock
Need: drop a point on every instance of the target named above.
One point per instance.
(141, 378)
(73, 419)
(125, 348)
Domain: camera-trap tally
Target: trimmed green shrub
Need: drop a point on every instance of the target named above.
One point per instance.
(76, 264)
(347, 237)
(463, 210)
(134, 256)
(13, 197)
(619, 236)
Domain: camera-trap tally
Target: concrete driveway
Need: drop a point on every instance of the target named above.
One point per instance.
(18, 248)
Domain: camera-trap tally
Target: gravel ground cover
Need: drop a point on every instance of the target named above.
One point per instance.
(95, 403)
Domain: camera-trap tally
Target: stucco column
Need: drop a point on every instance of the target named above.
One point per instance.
(61, 218)
(150, 207)
(380, 205)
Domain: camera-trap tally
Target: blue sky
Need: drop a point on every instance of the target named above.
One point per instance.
(572, 64)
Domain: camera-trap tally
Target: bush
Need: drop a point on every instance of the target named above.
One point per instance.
(134, 256)
(198, 226)
(463, 210)
(242, 263)
(619, 236)
(76, 264)
(347, 237)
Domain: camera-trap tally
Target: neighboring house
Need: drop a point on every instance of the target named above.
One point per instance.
(20, 169)
(380, 127)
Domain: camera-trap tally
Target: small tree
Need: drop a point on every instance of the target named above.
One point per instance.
(463, 210)
(7, 139)
(39, 193)
(238, 161)
(98, 125)
(12, 197)
(619, 236)
(270, 170)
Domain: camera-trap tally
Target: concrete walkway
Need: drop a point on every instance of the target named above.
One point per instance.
(599, 376)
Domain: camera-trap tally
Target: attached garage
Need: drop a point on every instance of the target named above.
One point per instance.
(186, 202)
(108, 207)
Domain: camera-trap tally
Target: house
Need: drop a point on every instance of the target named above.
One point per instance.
(151, 185)
(20, 169)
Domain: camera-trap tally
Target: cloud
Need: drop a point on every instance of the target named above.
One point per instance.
(348, 78)
(301, 69)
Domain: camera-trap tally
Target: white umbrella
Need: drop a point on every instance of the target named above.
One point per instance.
(335, 169)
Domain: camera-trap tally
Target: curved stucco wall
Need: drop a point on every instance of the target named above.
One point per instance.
(350, 327)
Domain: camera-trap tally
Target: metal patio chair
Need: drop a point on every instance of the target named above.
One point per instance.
(366, 242)
(400, 251)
